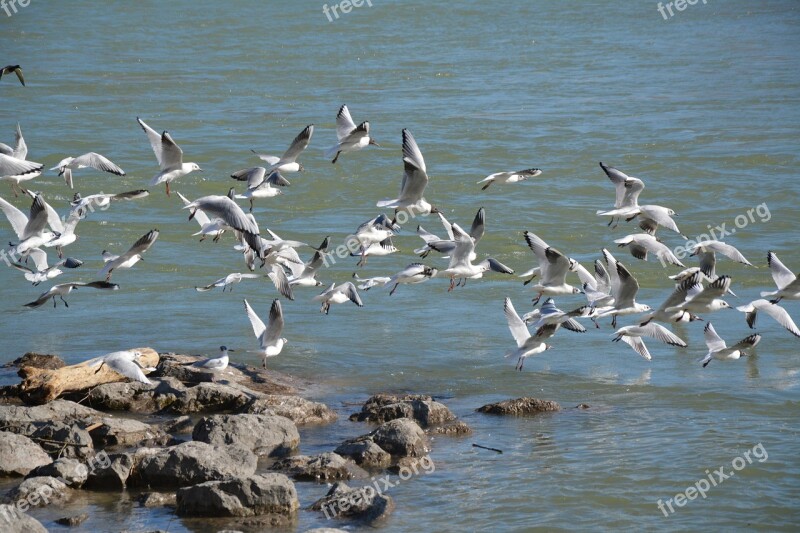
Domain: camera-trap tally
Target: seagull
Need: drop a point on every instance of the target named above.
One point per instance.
(338, 294)
(667, 311)
(32, 230)
(476, 232)
(351, 137)
(366, 284)
(509, 177)
(600, 294)
(16, 169)
(717, 349)
(257, 185)
(553, 268)
(88, 160)
(550, 314)
(125, 362)
(374, 231)
(701, 300)
(385, 247)
(624, 288)
(224, 208)
(527, 344)
(216, 364)
(305, 275)
(707, 251)
(269, 338)
(653, 216)
(627, 194)
(277, 244)
(169, 156)
(16, 70)
(412, 274)
(640, 244)
(461, 266)
(208, 228)
(632, 336)
(415, 179)
(228, 282)
(787, 283)
(20, 152)
(775, 311)
(64, 289)
(44, 272)
(129, 258)
(82, 204)
(66, 236)
(288, 161)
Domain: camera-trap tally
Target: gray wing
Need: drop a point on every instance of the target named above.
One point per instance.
(628, 287)
(253, 176)
(782, 275)
(463, 249)
(344, 123)
(708, 263)
(415, 177)
(713, 341)
(20, 148)
(155, 140)
(298, 144)
(518, 328)
(98, 162)
(15, 217)
(143, 244)
(727, 250)
(275, 328)
(478, 225)
(131, 195)
(638, 345)
(659, 332)
(349, 290)
(278, 277)
(228, 210)
(11, 166)
(37, 219)
(171, 153)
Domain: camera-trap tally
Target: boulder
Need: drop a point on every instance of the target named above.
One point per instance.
(15, 520)
(363, 503)
(126, 432)
(55, 411)
(211, 397)
(72, 521)
(385, 407)
(111, 474)
(19, 455)
(321, 468)
(401, 437)
(520, 406)
(451, 428)
(135, 396)
(255, 495)
(71, 471)
(297, 409)
(365, 453)
(62, 440)
(190, 463)
(178, 426)
(37, 360)
(270, 435)
(39, 492)
(157, 499)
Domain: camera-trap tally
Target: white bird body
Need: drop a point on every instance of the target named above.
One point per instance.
(509, 177)
(640, 244)
(169, 156)
(123, 362)
(553, 268)
(415, 180)
(87, 160)
(776, 312)
(788, 284)
(717, 349)
(351, 137)
(527, 344)
(13, 165)
(228, 281)
(338, 294)
(270, 341)
(411, 275)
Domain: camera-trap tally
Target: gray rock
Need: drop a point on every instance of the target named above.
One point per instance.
(14, 520)
(363, 503)
(321, 468)
(19, 455)
(401, 437)
(385, 407)
(297, 409)
(136, 397)
(520, 406)
(267, 494)
(451, 428)
(211, 397)
(157, 499)
(126, 432)
(61, 439)
(178, 426)
(262, 434)
(37, 360)
(72, 521)
(71, 471)
(55, 411)
(191, 463)
(112, 474)
(326, 530)
(365, 453)
(39, 492)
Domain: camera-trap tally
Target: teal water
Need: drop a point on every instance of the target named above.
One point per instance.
(703, 107)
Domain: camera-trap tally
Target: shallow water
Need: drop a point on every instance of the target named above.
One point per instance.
(703, 107)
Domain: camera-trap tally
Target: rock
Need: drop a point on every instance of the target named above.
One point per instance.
(178, 426)
(211, 397)
(262, 434)
(73, 521)
(451, 428)
(191, 463)
(135, 396)
(321, 468)
(267, 494)
(582, 406)
(297, 409)
(37, 360)
(63, 440)
(15, 520)
(39, 492)
(413, 466)
(55, 411)
(157, 499)
(520, 406)
(19, 455)
(126, 432)
(365, 453)
(385, 407)
(326, 530)
(110, 474)
(363, 503)
(401, 437)
(71, 471)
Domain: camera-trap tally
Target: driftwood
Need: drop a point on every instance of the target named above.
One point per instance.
(40, 385)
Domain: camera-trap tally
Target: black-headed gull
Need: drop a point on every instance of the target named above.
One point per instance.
(717, 349)
(208, 228)
(129, 258)
(788, 284)
(509, 177)
(259, 184)
(553, 268)
(627, 189)
(351, 137)
(461, 265)
(20, 153)
(169, 156)
(43, 272)
(288, 161)
(64, 289)
(778, 313)
(701, 299)
(88, 160)
(632, 336)
(216, 364)
(412, 274)
(446, 246)
(224, 208)
(624, 288)
(706, 252)
(527, 344)
(82, 204)
(377, 249)
(8, 69)
(338, 294)
(415, 180)
(32, 230)
(548, 313)
(373, 231)
(269, 337)
(641, 244)
(227, 282)
(305, 274)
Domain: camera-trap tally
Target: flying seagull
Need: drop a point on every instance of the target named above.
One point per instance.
(527, 344)
(788, 284)
(16, 70)
(259, 186)
(64, 289)
(351, 137)
(632, 336)
(288, 161)
(509, 177)
(338, 294)
(129, 258)
(169, 156)
(15, 170)
(778, 313)
(20, 152)
(88, 160)
(228, 282)
(717, 349)
(553, 268)
(415, 179)
(269, 337)
(82, 204)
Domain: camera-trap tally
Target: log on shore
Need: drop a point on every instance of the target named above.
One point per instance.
(40, 385)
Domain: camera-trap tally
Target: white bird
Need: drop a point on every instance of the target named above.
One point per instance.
(778, 313)
(706, 252)
(20, 153)
(669, 311)
(549, 314)
(599, 295)
(129, 258)
(208, 228)
(64, 289)
(277, 244)
(509, 177)
(269, 338)
(446, 246)
(216, 364)
(305, 275)
(377, 249)
(373, 231)
(32, 230)
(553, 268)
(787, 283)
(338, 294)
(125, 362)
(410, 275)
(415, 180)
(66, 236)
(44, 272)
(632, 336)
(527, 344)
(628, 190)
(717, 349)
(288, 161)
(259, 184)
(640, 244)
(351, 137)
(653, 216)
(224, 208)
(16, 170)
(88, 160)
(461, 266)
(169, 156)
(366, 284)
(82, 204)
(701, 300)
(227, 282)
(624, 288)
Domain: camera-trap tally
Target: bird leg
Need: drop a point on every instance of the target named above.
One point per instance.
(251, 205)
(452, 283)
(54, 302)
(394, 289)
(614, 321)
(363, 261)
(191, 213)
(60, 252)
(337, 157)
(63, 300)
(167, 188)
(536, 300)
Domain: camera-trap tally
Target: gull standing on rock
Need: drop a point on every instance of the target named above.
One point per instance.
(269, 337)
(288, 161)
(169, 156)
(351, 137)
(216, 364)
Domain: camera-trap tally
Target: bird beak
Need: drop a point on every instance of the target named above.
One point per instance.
(231, 350)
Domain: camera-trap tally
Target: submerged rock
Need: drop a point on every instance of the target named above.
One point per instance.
(385, 407)
(126, 432)
(72, 521)
(71, 471)
(363, 503)
(158, 499)
(255, 495)
(520, 406)
(297, 409)
(451, 428)
(19, 455)
(190, 463)
(15, 520)
(321, 468)
(262, 434)
(365, 453)
(401, 437)
(40, 491)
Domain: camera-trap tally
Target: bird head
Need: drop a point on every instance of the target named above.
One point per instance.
(300, 167)
(372, 142)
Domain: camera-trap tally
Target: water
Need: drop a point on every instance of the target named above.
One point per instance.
(703, 107)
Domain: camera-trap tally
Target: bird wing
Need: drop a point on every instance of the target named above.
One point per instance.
(37, 219)
(782, 275)
(258, 326)
(253, 176)
(708, 263)
(98, 162)
(777, 312)
(143, 244)
(349, 290)
(747, 342)
(199, 214)
(344, 123)
(39, 257)
(659, 215)
(628, 287)
(638, 345)
(618, 178)
(228, 210)
(281, 282)
(20, 148)
(11, 166)
(171, 153)
(478, 225)
(659, 332)
(415, 177)
(518, 329)
(464, 247)
(155, 140)
(275, 329)
(16, 218)
(298, 144)
(713, 341)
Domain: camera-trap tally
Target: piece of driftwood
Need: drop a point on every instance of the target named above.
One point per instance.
(40, 385)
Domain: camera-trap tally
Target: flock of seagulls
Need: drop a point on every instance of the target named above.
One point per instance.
(611, 290)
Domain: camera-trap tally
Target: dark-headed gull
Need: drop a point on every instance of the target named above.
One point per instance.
(16, 170)
(169, 156)
(88, 160)
(527, 344)
(8, 69)
(701, 299)
(632, 336)
(64, 289)
(224, 208)
(32, 230)
(269, 337)
(624, 288)
(461, 266)
(82, 204)
(553, 268)
(129, 258)
(627, 194)
(509, 177)
(44, 272)
(259, 184)
(788, 284)
(548, 313)
(641, 244)
(351, 137)
(216, 364)
(778, 313)
(415, 180)
(227, 282)
(717, 349)
(19, 152)
(288, 161)
(412, 274)
(338, 294)
(208, 228)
